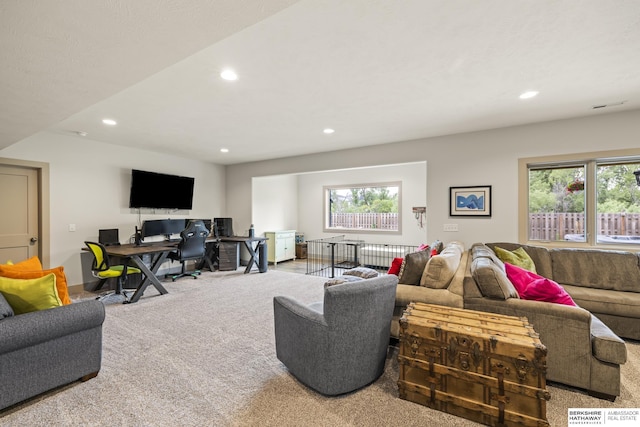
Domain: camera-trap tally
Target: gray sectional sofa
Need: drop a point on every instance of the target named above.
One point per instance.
(46, 349)
(582, 350)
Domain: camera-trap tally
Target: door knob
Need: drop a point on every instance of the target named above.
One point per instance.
(34, 239)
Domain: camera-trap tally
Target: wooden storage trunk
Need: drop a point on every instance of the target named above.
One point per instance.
(486, 367)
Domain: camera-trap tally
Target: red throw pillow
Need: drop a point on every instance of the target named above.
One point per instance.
(531, 286)
(395, 266)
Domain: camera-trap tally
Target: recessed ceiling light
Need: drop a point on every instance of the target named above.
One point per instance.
(229, 75)
(81, 133)
(224, 150)
(109, 122)
(529, 94)
(328, 131)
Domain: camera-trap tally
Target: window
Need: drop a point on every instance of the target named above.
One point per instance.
(361, 208)
(618, 203)
(556, 203)
(592, 201)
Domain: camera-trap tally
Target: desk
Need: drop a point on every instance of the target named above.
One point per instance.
(256, 258)
(158, 252)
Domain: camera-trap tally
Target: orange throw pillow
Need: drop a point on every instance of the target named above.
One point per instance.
(32, 263)
(22, 273)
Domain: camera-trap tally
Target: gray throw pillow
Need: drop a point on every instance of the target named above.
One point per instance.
(364, 272)
(412, 267)
(342, 279)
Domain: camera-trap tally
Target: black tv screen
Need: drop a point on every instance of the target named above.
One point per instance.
(161, 191)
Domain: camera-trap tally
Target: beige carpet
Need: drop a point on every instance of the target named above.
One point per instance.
(203, 355)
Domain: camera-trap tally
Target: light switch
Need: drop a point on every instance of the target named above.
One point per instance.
(450, 227)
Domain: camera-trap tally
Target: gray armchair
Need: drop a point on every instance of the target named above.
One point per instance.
(45, 349)
(338, 345)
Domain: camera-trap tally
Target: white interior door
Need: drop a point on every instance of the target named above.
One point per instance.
(19, 237)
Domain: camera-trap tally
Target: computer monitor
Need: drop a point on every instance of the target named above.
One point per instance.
(108, 237)
(207, 223)
(223, 227)
(162, 227)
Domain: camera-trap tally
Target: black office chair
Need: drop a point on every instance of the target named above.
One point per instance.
(103, 270)
(191, 247)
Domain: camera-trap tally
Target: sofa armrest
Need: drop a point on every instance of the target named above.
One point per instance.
(607, 346)
(29, 329)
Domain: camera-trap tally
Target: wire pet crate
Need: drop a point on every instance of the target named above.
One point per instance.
(330, 257)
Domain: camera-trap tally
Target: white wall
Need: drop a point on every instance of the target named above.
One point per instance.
(89, 187)
(274, 204)
(477, 158)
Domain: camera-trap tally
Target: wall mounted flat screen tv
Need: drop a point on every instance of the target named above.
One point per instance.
(160, 191)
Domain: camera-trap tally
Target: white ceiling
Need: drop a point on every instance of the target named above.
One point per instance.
(376, 71)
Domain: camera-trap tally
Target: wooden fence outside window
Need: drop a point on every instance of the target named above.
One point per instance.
(542, 226)
(555, 226)
(365, 221)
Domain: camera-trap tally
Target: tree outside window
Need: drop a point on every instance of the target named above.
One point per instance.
(559, 207)
(371, 208)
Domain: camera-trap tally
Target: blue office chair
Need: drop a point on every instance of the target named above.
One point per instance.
(103, 270)
(191, 247)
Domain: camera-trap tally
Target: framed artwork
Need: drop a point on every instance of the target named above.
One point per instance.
(470, 201)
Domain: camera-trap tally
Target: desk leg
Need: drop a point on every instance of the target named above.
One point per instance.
(252, 260)
(333, 260)
(209, 259)
(149, 276)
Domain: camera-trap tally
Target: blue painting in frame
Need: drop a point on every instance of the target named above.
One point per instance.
(470, 201)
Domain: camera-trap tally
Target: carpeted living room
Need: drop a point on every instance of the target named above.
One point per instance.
(204, 354)
(409, 146)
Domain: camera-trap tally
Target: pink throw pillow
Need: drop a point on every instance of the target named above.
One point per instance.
(531, 286)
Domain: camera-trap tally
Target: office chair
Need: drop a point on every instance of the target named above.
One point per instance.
(191, 247)
(103, 270)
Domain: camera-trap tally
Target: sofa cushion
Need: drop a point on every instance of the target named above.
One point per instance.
(517, 257)
(61, 278)
(491, 279)
(602, 269)
(27, 295)
(539, 254)
(5, 308)
(406, 294)
(624, 304)
(441, 268)
(531, 286)
(412, 267)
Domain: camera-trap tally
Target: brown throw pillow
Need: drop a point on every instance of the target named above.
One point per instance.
(413, 267)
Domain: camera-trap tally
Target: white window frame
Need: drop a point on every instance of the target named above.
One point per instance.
(325, 209)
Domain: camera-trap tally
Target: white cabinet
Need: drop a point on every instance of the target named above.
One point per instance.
(281, 245)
